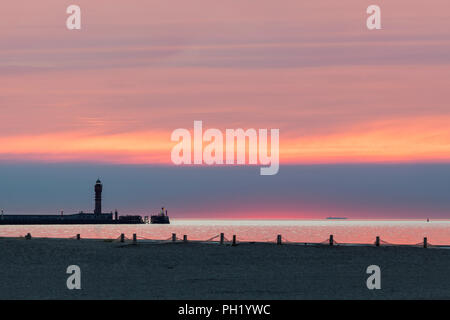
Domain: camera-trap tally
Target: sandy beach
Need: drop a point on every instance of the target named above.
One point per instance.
(36, 269)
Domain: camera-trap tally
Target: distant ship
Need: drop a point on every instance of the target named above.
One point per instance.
(336, 218)
(160, 218)
(78, 218)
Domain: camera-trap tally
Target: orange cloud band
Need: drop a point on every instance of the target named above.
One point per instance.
(420, 139)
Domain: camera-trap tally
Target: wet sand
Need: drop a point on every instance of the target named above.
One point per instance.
(36, 269)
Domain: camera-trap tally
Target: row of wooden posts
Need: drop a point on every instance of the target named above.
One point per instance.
(234, 242)
(185, 239)
(279, 239)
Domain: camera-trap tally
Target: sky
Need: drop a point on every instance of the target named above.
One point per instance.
(372, 107)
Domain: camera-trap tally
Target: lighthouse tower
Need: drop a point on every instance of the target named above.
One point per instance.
(98, 197)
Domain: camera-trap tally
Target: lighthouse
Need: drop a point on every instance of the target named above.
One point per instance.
(98, 197)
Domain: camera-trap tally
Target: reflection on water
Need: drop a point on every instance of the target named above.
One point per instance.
(344, 231)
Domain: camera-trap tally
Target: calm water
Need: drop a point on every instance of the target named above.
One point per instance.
(346, 231)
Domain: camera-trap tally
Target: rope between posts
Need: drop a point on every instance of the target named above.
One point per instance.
(286, 240)
(211, 239)
(266, 240)
(386, 243)
(142, 238)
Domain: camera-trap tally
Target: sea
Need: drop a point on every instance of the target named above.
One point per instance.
(304, 231)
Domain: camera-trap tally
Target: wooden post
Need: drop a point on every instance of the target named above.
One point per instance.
(134, 238)
(122, 237)
(174, 237)
(78, 236)
(222, 238)
(28, 236)
(377, 241)
(234, 240)
(185, 238)
(331, 240)
(425, 242)
(279, 239)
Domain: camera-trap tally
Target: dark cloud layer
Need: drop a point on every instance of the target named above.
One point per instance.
(358, 191)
